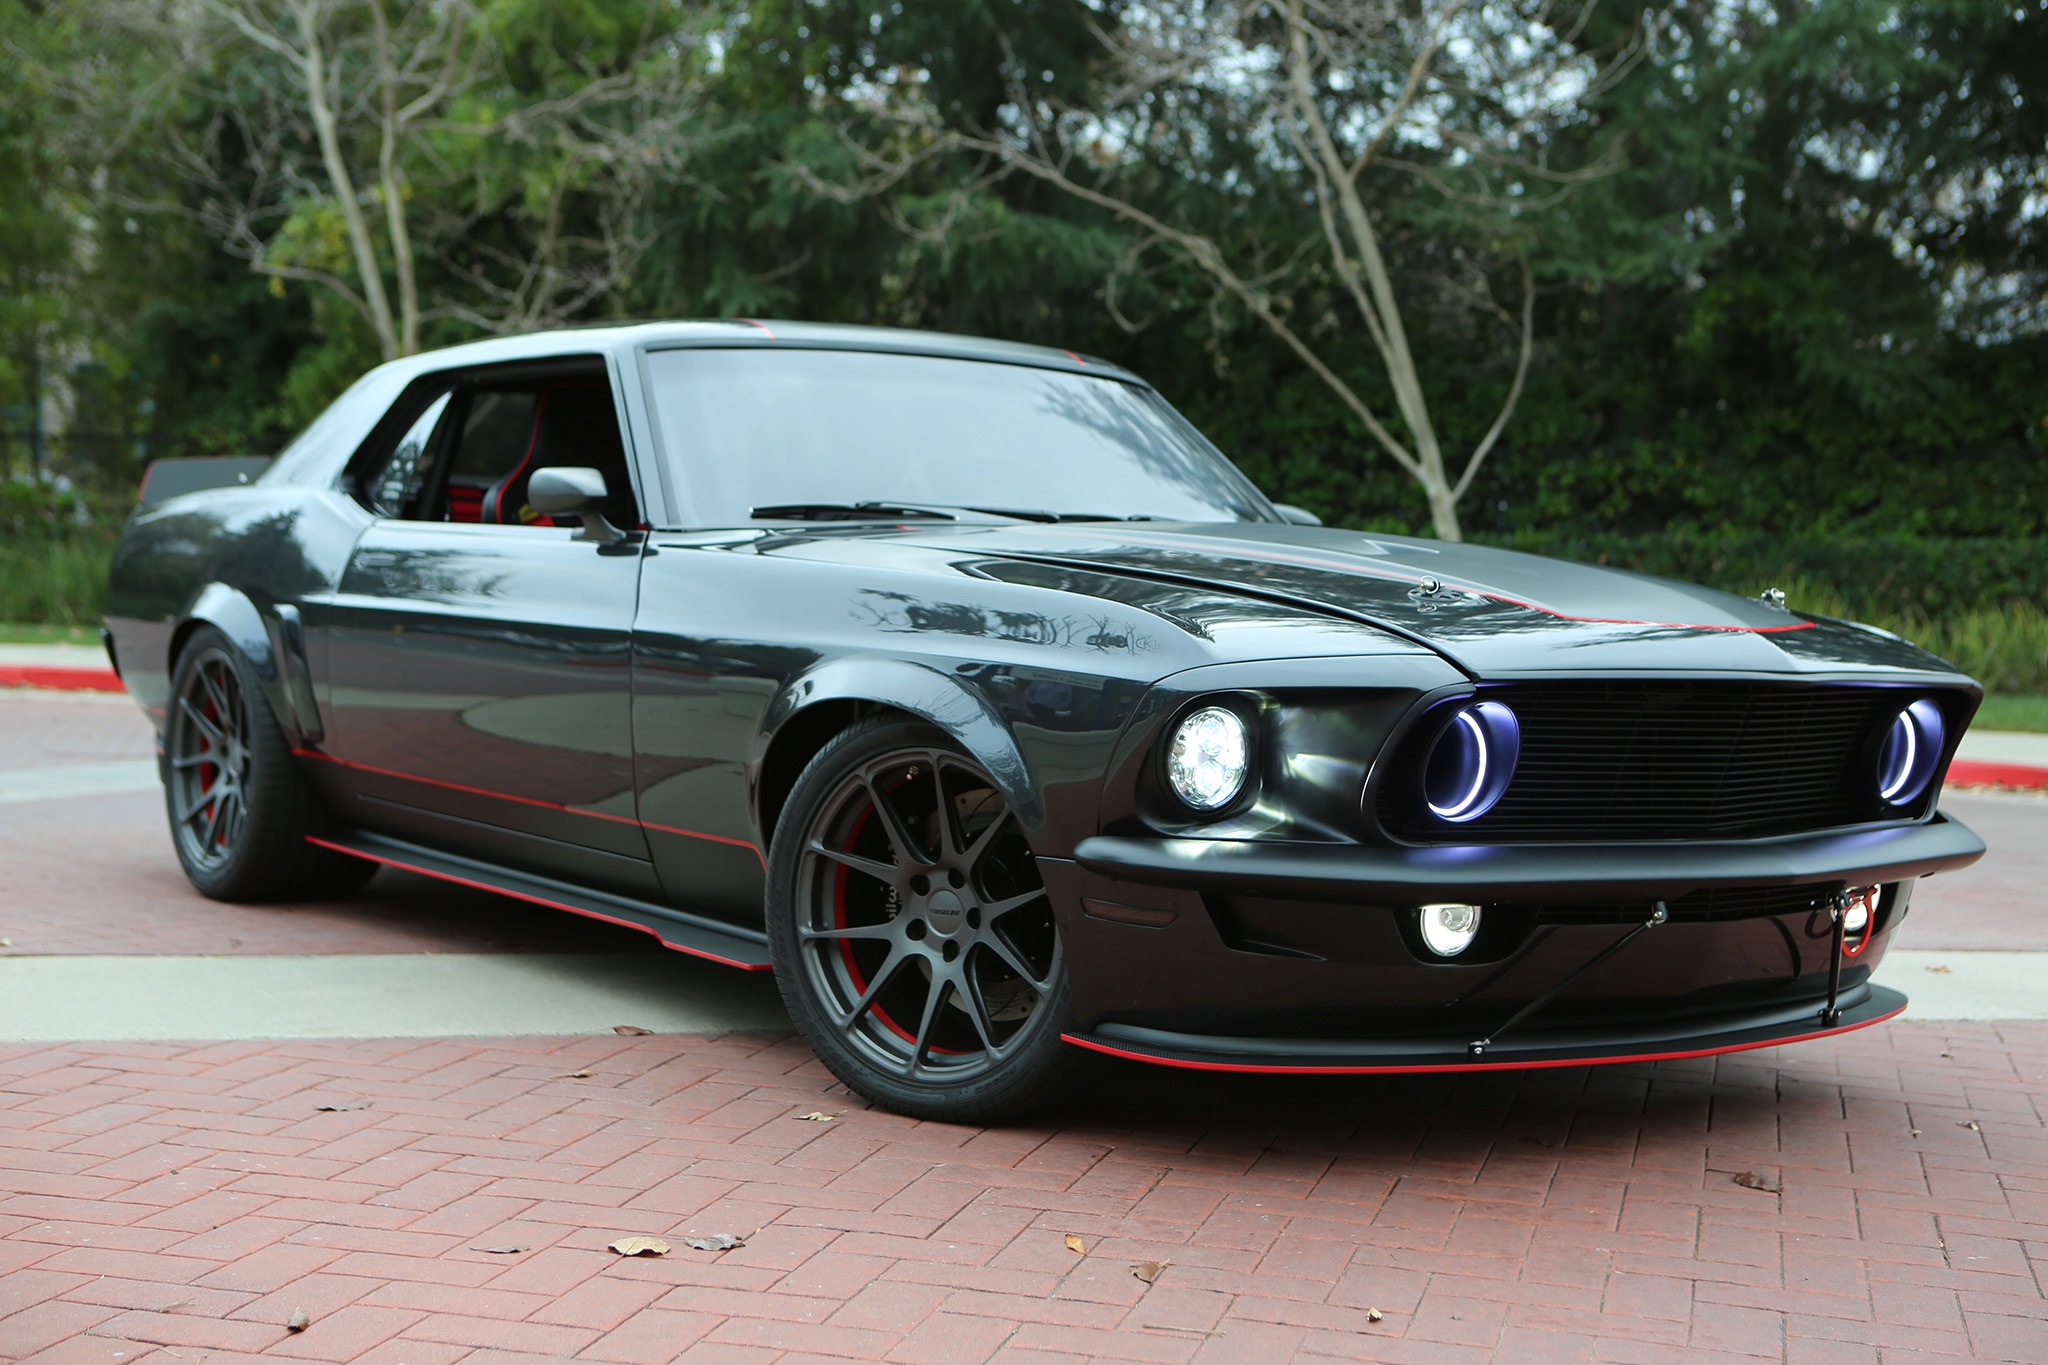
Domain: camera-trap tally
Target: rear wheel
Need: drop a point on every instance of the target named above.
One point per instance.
(914, 942)
(239, 808)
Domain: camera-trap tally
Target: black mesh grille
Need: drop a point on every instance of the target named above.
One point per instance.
(1647, 761)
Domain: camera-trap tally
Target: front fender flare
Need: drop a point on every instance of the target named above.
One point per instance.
(925, 692)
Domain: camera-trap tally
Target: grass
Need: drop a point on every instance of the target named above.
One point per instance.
(58, 582)
(2013, 713)
(43, 633)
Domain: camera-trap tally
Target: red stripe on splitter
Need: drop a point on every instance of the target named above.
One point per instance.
(1269, 1069)
(404, 866)
(535, 801)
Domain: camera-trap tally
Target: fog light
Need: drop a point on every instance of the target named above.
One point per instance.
(1448, 929)
(1209, 758)
(1911, 748)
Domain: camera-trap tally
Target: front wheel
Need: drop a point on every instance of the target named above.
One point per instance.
(914, 942)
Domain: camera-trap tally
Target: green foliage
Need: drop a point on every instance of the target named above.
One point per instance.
(2013, 713)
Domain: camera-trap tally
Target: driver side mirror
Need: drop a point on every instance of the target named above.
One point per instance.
(573, 490)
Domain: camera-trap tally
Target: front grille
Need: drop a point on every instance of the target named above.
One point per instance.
(1651, 760)
(1701, 907)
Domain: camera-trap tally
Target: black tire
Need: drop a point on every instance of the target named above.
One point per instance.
(881, 904)
(239, 808)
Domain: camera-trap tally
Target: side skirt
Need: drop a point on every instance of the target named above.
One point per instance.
(1284, 1057)
(696, 935)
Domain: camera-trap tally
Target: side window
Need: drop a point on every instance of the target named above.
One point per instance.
(470, 452)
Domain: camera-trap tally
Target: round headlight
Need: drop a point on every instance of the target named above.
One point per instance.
(1209, 758)
(1448, 930)
(1469, 765)
(1911, 748)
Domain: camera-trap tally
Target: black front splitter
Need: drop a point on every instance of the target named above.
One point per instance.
(1486, 872)
(1861, 1008)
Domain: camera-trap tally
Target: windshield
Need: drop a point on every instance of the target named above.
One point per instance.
(780, 429)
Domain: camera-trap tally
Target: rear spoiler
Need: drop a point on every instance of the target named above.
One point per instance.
(167, 479)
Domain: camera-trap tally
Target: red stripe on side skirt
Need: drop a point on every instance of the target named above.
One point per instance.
(538, 900)
(535, 801)
(1259, 1069)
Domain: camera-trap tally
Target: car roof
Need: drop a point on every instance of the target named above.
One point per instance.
(765, 333)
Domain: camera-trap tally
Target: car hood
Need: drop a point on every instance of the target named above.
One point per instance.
(1493, 612)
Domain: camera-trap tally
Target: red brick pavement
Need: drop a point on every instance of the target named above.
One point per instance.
(177, 1203)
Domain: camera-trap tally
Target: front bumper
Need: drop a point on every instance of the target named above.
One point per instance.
(1248, 955)
(1603, 872)
(1862, 1007)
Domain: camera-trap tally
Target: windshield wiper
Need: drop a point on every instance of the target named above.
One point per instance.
(848, 511)
(925, 511)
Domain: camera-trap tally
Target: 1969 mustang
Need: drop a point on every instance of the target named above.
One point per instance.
(969, 689)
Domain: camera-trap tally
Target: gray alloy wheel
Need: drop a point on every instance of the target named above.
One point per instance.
(239, 808)
(914, 942)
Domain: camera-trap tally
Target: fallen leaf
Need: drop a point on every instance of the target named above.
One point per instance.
(344, 1107)
(1076, 1245)
(1373, 1315)
(299, 1321)
(571, 1076)
(1148, 1271)
(817, 1116)
(640, 1246)
(501, 1251)
(1750, 1180)
(1972, 1125)
(631, 1030)
(6, 943)
(718, 1241)
(1940, 971)
(1914, 1131)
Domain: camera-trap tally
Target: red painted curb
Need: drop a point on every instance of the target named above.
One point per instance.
(59, 679)
(1971, 772)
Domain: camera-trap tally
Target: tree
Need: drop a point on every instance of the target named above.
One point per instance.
(1323, 125)
(360, 144)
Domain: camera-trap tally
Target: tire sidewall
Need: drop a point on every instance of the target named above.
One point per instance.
(1029, 1077)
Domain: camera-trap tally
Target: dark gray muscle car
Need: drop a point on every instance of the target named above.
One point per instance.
(969, 689)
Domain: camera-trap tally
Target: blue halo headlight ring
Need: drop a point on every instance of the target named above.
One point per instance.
(1911, 747)
(1468, 767)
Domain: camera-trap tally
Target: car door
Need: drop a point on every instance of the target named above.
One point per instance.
(478, 654)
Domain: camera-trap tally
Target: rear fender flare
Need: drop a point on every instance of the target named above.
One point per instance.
(915, 689)
(231, 612)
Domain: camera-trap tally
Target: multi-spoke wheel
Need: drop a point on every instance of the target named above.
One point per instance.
(208, 767)
(240, 811)
(914, 941)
